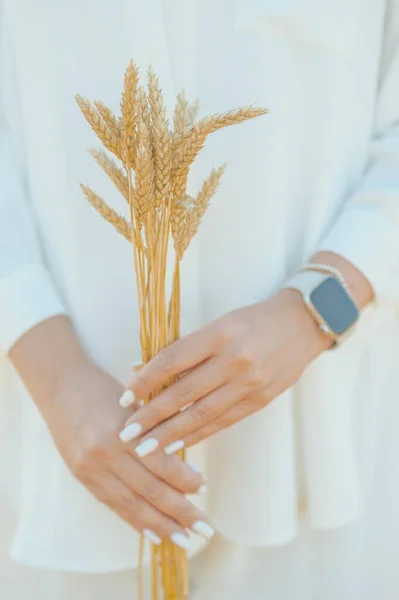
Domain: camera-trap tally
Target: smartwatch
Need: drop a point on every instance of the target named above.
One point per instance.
(328, 301)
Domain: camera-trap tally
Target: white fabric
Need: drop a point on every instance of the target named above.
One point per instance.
(321, 171)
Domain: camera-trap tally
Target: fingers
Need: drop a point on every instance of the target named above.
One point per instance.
(171, 434)
(162, 497)
(173, 360)
(189, 388)
(137, 512)
(233, 415)
(180, 475)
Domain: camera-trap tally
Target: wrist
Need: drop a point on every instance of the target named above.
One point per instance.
(46, 357)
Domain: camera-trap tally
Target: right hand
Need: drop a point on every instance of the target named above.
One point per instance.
(84, 418)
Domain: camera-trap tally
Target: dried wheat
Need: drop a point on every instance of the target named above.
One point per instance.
(111, 121)
(98, 125)
(128, 120)
(120, 224)
(113, 171)
(160, 139)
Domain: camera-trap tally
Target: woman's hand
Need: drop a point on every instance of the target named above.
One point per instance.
(226, 371)
(84, 418)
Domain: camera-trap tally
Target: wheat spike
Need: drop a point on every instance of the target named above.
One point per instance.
(160, 139)
(192, 112)
(98, 125)
(108, 117)
(144, 190)
(208, 189)
(120, 224)
(181, 117)
(128, 122)
(113, 171)
(188, 143)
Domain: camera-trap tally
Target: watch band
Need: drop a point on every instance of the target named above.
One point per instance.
(322, 268)
(305, 281)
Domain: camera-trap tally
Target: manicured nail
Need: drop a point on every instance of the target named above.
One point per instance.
(181, 540)
(193, 467)
(153, 537)
(203, 529)
(130, 432)
(127, 399)
(140, 403)
(201, 490)
(147, 447)
(174, 447)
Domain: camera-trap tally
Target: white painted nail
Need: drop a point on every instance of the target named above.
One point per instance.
(147, 447)
(140, 403)
(201, 490)
(153, 537)
(193, 467)
(203, 529)
(127, 399)
(174, 447)
(181, 540)
(130, 432)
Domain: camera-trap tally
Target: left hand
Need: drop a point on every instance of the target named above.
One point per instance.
(226, 371)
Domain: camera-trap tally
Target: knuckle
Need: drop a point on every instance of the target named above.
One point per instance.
(200, 412)
(244, 358)
(166, 358)
(151, 492)
(257, 379)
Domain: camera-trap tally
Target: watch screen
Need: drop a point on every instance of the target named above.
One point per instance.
(335, 305)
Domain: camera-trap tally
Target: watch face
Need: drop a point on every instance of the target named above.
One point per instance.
(335, 306)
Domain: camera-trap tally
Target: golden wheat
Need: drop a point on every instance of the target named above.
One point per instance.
(97, 124)
(128, 119)
(120, 224)
(161, 140)
(108, 117)
(113, 171)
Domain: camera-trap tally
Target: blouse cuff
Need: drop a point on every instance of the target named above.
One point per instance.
(27, 297)
(364, 236)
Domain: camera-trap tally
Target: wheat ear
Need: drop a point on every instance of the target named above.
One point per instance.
(144, 191)
(128, 121)
(113, 171)
(98, 125)
(120, 224)
(181, 118)
(111, 121)
(161, 140)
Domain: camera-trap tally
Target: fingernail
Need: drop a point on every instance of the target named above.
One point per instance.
(174, 447)
(181, 540)
(147, 447)
(127, 399)
(193, 467)
(140, 403)
(153, 537)
(203, 529)
(201, 490)
(130, 432)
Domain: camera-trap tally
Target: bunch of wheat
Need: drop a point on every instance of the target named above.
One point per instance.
(155, 164)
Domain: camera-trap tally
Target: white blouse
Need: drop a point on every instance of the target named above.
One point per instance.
(320, 172)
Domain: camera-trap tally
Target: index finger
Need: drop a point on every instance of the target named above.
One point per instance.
(173, 360)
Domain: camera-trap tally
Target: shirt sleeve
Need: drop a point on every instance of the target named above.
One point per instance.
(367, 231)
(27, 292)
